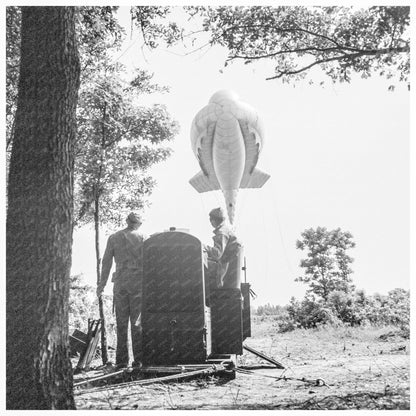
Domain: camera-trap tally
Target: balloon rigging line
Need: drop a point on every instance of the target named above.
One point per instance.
(279, 228)
(266, 249)
(203, 203)
(275, 212)
(243, 201)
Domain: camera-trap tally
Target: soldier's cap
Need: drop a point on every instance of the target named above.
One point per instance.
(133, 217)
(217, 213)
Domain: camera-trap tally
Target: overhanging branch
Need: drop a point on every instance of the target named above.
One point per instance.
(315, 49)
(283, 52)
(344, 56)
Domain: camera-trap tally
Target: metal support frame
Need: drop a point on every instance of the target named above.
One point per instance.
(180, 372)
(264, 357)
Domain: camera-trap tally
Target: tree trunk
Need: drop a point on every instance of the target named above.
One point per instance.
(104, 354)
(40, 211)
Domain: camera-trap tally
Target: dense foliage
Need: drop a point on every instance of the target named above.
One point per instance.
(338, 40)
(342, 308)
(154, 25)
(83, 305)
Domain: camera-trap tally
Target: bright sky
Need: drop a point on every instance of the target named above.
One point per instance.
(338, 156)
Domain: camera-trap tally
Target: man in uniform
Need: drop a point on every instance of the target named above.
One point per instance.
(225, 249)
(126, 248)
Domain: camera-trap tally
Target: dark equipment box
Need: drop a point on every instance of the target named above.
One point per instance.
(227, 322)
(175, 319)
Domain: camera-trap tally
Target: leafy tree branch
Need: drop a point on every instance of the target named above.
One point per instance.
(339, 40)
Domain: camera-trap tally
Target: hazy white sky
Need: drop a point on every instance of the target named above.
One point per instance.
(338, 156)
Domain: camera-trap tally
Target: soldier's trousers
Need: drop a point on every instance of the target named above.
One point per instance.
(127, 302)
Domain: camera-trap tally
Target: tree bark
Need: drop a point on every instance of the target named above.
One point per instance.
(40, 213)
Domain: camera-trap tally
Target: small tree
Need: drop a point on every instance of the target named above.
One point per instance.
(327, 266)
(117, 139)
(117, 142)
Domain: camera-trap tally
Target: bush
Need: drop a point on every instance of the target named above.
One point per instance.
(310, 312)
(344, 307)
(341, 307)
(81, 301)
(83, 305)
(393, 309)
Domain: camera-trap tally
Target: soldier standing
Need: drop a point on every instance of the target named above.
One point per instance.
(223, 251)
(126, 248)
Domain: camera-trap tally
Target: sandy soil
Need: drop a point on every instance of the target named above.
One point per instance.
(355, 369)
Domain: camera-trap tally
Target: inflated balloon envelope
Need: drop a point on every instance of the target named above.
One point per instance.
(227, 138)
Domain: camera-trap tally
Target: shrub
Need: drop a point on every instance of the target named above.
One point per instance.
(83, 305)
(393, 309)
(342, 307)
(310, 312)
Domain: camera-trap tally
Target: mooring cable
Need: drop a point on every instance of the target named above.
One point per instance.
(316, 382)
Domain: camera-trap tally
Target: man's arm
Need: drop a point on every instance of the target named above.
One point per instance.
(106, 265)
(220, 242)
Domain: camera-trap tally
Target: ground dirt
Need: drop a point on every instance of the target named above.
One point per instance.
(327, 368)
